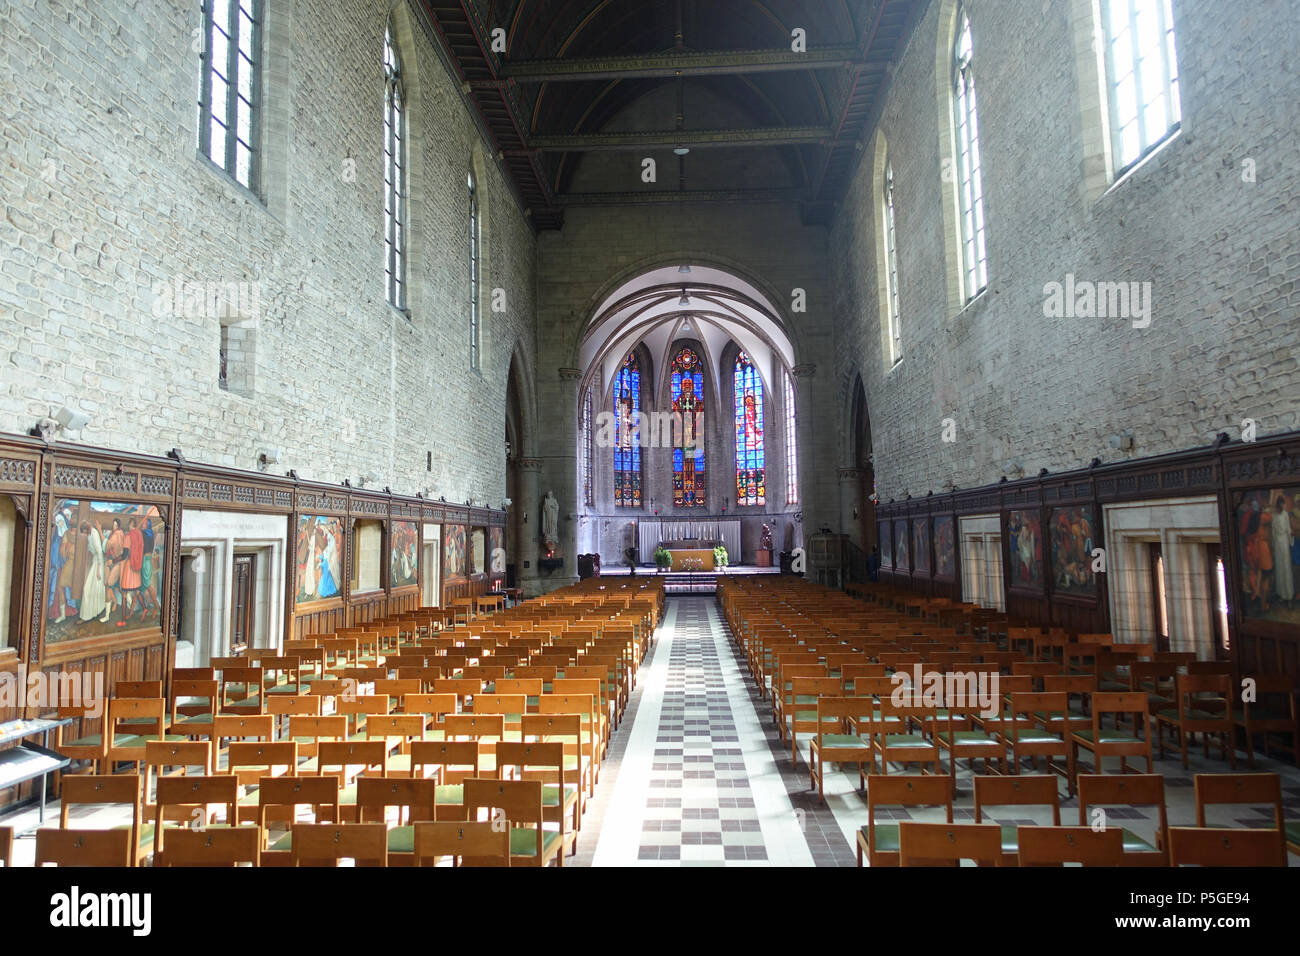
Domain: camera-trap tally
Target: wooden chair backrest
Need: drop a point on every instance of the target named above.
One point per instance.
(444, 754)
(324, 844)
(213, 847)
(1057, 845)
(947, 844)
(1019, 790)
(414, 794)
(909, 790)
(83, 847)
(309, 725)
(519, 800)
(1225, 847)
(179, 753)
(471, 843)
(286, 791)
(1261, 789)
(138, 688)
(243, 726)
(474, 726)
(343, 754)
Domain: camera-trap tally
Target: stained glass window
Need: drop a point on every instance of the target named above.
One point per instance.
(627, 437)
(791, 448)
(584, 430)
(751, 488)
(690, 489)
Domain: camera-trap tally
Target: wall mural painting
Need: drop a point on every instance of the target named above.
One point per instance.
(945, 561)
(453, 552)
(1268, 539)
(921, 545)
(1025, 539)
(886, 546)
(106, 569)
(901, 542)
(320, 558)
(477, 539)
(497, 561)
(404, 554)
(1072, 544)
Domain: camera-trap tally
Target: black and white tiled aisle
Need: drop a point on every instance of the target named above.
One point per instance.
(696, 780)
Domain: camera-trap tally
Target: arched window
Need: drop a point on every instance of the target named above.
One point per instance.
(1142, 70)
(751, 473)
(690, 488)
(891, 268)
(230, 74)
(584, 429)
(970, 186)
(627, 434)
(791, 447)
(394, 176)
(474, 255)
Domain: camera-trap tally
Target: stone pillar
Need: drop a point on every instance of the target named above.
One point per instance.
(558, 451)
(816, 510)
(529, 511)
(850, 493)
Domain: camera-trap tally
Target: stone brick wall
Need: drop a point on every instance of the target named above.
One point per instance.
(1221, 254)
(105, 196)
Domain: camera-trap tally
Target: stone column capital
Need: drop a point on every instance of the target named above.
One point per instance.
(570, 374)
(806, 370)
(530, 464)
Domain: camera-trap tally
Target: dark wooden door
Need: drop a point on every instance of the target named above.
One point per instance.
(241, 599)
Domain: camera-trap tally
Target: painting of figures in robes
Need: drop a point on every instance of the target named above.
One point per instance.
(106, 569)
(454, 555)
(319, 545)
(901, 541)
(1025, 539)
(478, 546)
(404, 554)
(886, 546)
(945, 555)
(1267, 524)
(1072, 544)
(497, 561)
(921, 545)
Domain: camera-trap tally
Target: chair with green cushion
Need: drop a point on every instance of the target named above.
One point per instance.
(963, 737)
(308, 730)
(454, 762)
(132, 723)
(123, 789)
(1262, 790)
(84, 746)
(947, 844)
(1158, 680)
(1025, 790)
(397, 689)
(251, 760)
(789, 666)
(284, 706)
(346, 760)
(832, 744)
(190, 802)
(804, 714)
(228, 727)
(397, 730)
(520, 803)
(95, 848)
(433, 708)
(468, 844)
(530, 687)
(171, 757)
(879, 841)
(1037, 729)
(1115, 741)
(325, 844)
(194, 703)
(1057, 846)
(914, 742)
(1201, 709)
(241, 690)
(1218, 846)
(571, 731)
(561, 802)
(413, 799)
(1270, 711)
(583, 705)
(578, 689)
(1129, 791)
(278, 800)
(356, 707)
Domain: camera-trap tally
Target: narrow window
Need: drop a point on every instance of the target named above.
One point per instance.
(970, 184)
(229, 80)
(1142, 76)
(394, 176)
(791, 445)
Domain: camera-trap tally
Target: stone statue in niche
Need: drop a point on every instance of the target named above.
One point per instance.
(765, 539)
(550, 521)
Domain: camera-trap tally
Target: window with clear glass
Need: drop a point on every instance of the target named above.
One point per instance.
(229, 80)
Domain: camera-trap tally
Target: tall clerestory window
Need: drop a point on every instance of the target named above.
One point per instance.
(970, 185)
(791, 446)
(584, 429)
(394, 176)
(891, 269)
(627, 434)
(229, 87)
(690, 487)
(475, 255)
(751, 471)
(1142, 76)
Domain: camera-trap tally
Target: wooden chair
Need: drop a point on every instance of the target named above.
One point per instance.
(1113, 741)
(241, 727)
(1057, 846)
(1018, 791)
(241, 690)
(325, 844)
(561, 802)
(1242, 789)
(467, 843)
(959, 733)
(1129, 790)
(190, 800)
(1039, 728)
(455, 761)
(278, 794)
(159, 755)
(947, 844)
(907, 745)
(219, 846)
(804, 714)
(366, 756)
(520, 803)
(121, 789)
(1191, 717)
(838, 714)
(83, 847)
(132, 723)
(879, 842)
(414, 799)
(6, 847)
(250, 761)
(1195, 846)
(194, 705)
(1273, 711)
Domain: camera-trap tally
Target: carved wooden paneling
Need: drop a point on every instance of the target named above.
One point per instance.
(17, 471)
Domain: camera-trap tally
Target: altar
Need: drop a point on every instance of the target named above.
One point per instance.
(692, 559)
(681, 534)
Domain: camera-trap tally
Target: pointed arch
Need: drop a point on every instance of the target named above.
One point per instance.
(687, 392)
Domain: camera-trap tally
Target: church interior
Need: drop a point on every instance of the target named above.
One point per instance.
(634, 433)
